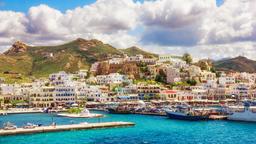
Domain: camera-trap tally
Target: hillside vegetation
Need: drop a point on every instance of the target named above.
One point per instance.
(22, 62)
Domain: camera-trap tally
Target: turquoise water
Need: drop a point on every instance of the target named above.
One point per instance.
(148, 130)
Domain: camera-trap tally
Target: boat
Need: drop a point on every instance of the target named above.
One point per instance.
(30, 126)
(84, 114)
(119, 110)
(186, 112)
(9, 126)
(126, 107)
(245, 112)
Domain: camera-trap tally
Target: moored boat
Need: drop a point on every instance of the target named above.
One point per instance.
(9, 126)
(244, 112)
(30, 126)
(119, 110)
(185, 112)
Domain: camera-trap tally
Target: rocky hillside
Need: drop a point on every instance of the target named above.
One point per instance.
(240, 64)
(40, 61)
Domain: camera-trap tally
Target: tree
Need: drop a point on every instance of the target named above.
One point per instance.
(146, 97)
(161, 77)
(157, 96)
(187, 58)
(191, 82)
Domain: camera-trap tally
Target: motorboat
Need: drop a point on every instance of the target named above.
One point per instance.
(9, 126)
(186, 112)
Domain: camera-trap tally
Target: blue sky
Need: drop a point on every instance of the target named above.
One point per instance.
(62, 5)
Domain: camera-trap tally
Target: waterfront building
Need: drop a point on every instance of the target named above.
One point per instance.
(185, 96)
(92, 94)
(170, 95)
(130, 89)
(42, 97)
(64, 95)
(15, 92)
(128, 97)
(147, 90)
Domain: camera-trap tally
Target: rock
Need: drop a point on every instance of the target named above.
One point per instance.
(17, 47)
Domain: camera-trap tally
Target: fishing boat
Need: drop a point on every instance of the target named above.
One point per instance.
(186, 112)
(245, 112)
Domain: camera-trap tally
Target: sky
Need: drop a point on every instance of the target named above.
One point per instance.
(205, 28)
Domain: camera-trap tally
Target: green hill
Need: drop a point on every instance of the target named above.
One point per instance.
(239, 64)
(135, 50)
(39, 61)
(23, 62)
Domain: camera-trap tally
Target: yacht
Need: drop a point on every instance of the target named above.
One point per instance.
(244, 112)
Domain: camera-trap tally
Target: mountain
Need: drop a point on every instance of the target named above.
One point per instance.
(240, 64)
(22, 61)
(135, 51)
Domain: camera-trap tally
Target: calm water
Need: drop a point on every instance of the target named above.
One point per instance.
(148, 130)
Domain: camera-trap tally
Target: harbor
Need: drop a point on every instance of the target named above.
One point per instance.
(57, 128)
(144, 131)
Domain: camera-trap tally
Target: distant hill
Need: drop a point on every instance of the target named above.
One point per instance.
(240, 64)
(22, 60)
(135, 51)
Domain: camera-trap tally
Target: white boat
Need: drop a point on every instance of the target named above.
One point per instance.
(9, 126)
(242, 113)
(84, 114)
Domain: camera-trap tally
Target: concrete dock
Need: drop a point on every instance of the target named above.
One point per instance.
(57, 128)
(218, 117)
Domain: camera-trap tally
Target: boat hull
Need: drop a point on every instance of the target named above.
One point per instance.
(115, 111)
(179, 116)
(247, 116)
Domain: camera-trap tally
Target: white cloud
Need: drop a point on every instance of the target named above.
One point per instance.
(175, 22)
(12, 23)
(108, 20)
(234, 21)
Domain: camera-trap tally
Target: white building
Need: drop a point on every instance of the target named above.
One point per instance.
(60, 78)
(113, 78)
(64, 95)
(226, 80)
(116, 61)
(136, 58)
(42, 97)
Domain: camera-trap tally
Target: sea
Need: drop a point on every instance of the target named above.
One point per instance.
(148, 130)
